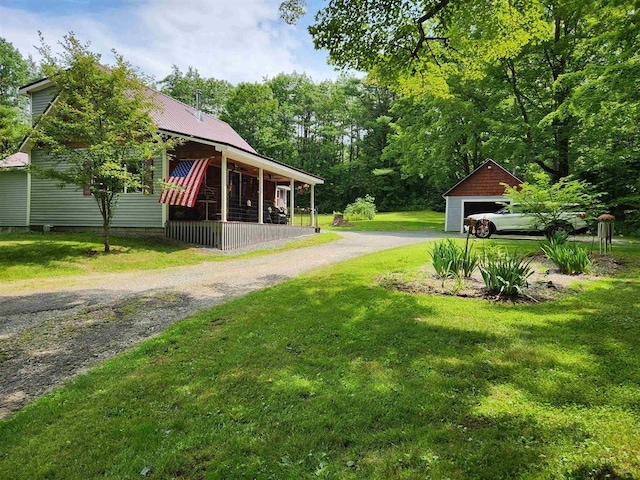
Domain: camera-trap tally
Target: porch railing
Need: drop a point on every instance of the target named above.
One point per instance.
(201, 233)
(231, 235)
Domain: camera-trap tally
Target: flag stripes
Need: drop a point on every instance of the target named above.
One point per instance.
(186, 178)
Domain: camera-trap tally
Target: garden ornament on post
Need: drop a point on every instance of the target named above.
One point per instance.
(605, 231)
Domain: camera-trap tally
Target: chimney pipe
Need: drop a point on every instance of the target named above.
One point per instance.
(199, 105)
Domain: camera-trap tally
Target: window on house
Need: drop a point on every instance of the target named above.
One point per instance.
(146, 171)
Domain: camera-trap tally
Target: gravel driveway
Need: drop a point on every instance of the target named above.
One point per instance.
(53, 329)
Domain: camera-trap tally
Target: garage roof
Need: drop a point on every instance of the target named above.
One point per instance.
(484, 181)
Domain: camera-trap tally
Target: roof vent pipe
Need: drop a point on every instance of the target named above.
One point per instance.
(199, 105)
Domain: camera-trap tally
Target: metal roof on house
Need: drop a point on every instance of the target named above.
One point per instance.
(177, 117)
(17, 160)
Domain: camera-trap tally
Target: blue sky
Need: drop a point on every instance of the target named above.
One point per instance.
(234, 40)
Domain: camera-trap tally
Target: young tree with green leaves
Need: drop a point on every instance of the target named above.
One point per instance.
(549, 202)
(99, 130)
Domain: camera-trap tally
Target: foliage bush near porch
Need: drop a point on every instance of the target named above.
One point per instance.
(331, 376)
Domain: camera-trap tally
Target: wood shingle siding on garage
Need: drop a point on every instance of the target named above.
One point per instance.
(482, 186)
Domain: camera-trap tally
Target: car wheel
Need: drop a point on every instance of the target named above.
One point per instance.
(559, 229)
(484, 229)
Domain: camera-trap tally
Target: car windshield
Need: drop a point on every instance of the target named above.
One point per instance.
(513, 208)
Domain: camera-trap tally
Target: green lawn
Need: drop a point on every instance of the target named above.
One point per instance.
(331, 376)
(37, 255)
(391, 221)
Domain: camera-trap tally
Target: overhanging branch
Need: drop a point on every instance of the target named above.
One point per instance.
(437, 8)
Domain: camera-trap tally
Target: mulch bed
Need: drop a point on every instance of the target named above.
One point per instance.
(546, 283)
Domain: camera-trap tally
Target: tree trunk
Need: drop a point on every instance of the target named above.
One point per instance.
(105, 203)
(562, 134)
(105, 237)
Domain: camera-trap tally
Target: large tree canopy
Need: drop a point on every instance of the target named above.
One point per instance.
(183, 86)
(550, 85)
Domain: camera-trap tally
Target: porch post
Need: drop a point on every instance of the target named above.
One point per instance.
(313, 206)
(165, 176)
(292, 185)
(224, 177)
(260, 195)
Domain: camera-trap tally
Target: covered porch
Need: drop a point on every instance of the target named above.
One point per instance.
(226, 198)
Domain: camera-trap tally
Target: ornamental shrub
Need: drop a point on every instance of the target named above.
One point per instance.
(569, 257)
(451, 260)
(361, 209)
(505, 274)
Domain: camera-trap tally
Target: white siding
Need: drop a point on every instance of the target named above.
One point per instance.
(13, 198)
(455, 209)
(454, 214)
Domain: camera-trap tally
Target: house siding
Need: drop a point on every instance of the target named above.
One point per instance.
(40, 101)
(13, 198)
(67, 206)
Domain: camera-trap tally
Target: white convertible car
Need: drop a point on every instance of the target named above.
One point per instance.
(510, 220)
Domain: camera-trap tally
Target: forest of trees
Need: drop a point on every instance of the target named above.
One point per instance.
(539, 86)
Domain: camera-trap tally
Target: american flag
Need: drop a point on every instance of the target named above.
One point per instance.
(186, 178)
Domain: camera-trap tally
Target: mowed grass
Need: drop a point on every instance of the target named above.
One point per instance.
(37, 255)
(390, 221)
(331, 376)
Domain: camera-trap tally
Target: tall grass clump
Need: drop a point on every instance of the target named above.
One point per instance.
(504, 273)
(570, 258)
(361, 209)
(451, 260)
(558, 239)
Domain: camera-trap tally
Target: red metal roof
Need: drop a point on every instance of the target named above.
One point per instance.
(17, 160)
(174, 117)
(177, 117)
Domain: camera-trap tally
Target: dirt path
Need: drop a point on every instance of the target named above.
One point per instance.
(53, 329)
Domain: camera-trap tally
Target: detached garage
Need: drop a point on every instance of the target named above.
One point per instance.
(14, 192)
(479, 192)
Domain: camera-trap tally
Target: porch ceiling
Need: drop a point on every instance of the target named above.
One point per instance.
(279, 171)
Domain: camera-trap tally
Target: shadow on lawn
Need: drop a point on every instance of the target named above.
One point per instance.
(601, 330)
(377, 391)
(49, 249)
(330, 377)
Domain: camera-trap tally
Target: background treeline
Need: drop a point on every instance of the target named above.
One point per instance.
(336, 129)
(544, 86)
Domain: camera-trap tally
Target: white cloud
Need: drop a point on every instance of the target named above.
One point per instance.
(235, 40)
